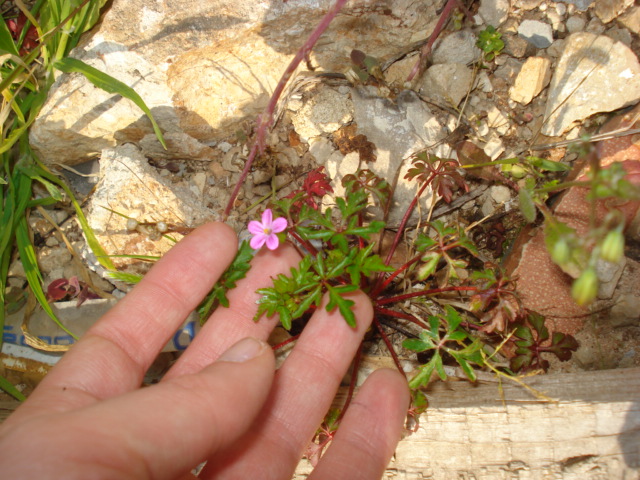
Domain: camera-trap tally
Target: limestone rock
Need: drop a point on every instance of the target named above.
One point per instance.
(515, 46)
(203, 68)
(607, 10)
(581, 5)
(533, 77)
(575, 24)
(631, 19)
(457, 47)
(494, 12)
(397, 130)
(448, 83)
(325, 112)
(130, 186)
(594, 74)
(537, 33)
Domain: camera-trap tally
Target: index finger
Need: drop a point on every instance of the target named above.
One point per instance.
(115, 353)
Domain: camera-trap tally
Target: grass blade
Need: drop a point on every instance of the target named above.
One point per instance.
(6, 41)
(8, 387)
(32, 272)
(109, 84)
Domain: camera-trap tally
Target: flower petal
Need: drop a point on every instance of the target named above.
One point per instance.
(279, 225)
(255, 227)
(258, 241)
(267, 218)
(272, 241)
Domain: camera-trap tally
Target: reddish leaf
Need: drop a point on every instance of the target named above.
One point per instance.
(58, 289)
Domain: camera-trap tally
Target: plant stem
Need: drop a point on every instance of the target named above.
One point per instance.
(387, 342)
(421, 293)
(380, 288)
(352, 383)
(265, 120)
(404, 316)
(305, 243)
(426, 49)
(405, 219)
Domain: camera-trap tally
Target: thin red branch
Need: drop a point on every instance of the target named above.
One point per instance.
(310, 248)
(387, 342)
(404, 316)
(422, 293)
(265, 120)
(380, 288)
(285, 343)
(354, 380)
(406, 217)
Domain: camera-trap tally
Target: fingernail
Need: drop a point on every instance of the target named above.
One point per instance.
(244, 350)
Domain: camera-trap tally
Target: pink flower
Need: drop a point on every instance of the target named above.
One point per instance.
(265, 231)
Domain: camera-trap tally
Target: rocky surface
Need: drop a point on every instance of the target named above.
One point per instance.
(130, 200)
(594, 74)
(204, 69)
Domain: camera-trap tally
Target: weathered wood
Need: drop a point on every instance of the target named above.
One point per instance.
(591, 431)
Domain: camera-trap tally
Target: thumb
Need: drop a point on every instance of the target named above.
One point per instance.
(165, 430)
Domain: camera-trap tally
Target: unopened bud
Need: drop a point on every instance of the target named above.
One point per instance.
(613, 246)
(585, 288)
(561, 252)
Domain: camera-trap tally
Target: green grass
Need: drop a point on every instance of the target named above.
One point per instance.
(25, 82)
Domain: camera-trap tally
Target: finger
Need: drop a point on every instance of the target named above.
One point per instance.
(160, 432)
(300, 397)
(116, 352)
(369, 431)
(228, 325)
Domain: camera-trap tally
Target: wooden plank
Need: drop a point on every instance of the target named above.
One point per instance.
(591, 431)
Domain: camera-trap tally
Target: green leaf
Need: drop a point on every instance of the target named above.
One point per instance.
(440, 367)
(236, 271)
(8, 387)
(54, 191)
(431, 260)
(32, 272)
(6, 40)
(126, 277)
(110, 85)
(38, 169)
(548, 165)
(344, 304)
(424, 374)
(423, 242)
(466, 368)
(527, 207)
(453, 318)
(416, 345)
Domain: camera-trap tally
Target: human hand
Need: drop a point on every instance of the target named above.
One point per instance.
(89, 419)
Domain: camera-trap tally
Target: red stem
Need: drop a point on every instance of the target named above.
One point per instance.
(405, 219)
(354, 379)
(380, 288)
(285, 343)
(387, 342)
(426, 49)
(404, 316)
(406, 296)
(266, 119)
(304, 243)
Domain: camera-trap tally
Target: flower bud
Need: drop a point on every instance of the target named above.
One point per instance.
(561, 252)
(612, 247)
(585, 288)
